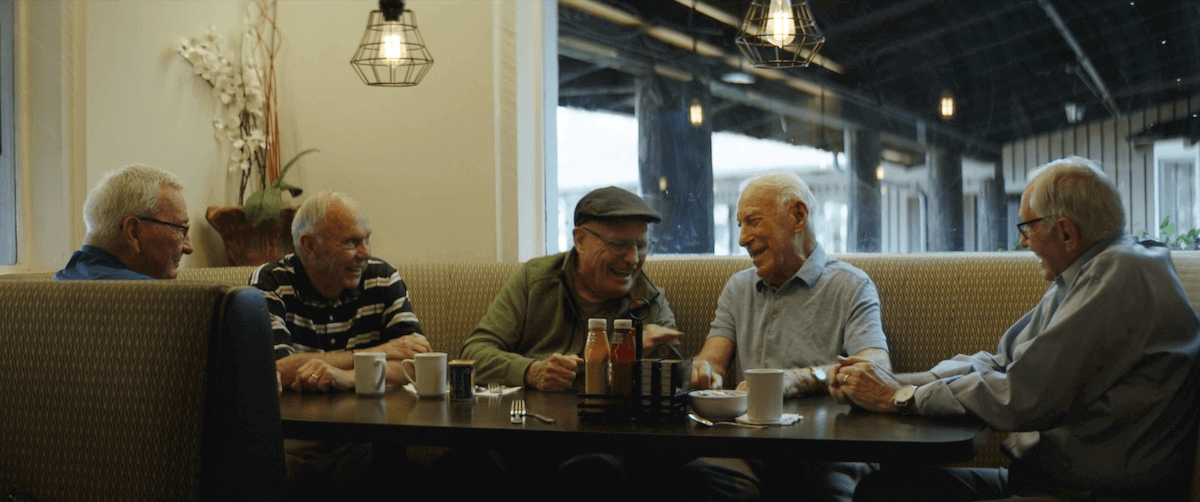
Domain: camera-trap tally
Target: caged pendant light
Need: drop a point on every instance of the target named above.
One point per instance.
(779, 34)
(392, 53)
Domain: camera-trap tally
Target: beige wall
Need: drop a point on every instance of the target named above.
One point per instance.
(436, 166)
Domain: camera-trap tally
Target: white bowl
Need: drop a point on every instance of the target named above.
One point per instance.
(718, 404)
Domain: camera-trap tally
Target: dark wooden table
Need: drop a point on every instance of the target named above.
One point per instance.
(829, 431)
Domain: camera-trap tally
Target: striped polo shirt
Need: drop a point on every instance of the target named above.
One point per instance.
(302, 320)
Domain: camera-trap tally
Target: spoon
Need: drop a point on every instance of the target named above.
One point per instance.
(709, 423)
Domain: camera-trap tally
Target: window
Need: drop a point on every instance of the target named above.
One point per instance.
(1176, 190)
(8, 177)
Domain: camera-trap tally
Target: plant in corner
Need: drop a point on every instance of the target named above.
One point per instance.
(265, 204)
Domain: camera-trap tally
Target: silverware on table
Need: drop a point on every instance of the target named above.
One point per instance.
(704, 421)
(517, 413)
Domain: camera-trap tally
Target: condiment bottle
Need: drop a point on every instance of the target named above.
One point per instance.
(623, 357)
(595, 356)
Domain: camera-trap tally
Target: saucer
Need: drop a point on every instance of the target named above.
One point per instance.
(785, 419)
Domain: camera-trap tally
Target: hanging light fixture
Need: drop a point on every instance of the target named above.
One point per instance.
(946, 110)
(780, 34)
(392, 53)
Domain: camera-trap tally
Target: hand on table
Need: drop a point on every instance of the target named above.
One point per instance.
(555, 373)
(654, 334)
(703, 376)
(318, 375)
(405, 347)
(855, 380)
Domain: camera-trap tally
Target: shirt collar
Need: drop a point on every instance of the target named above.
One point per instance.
(1067, 277)
(809, 272)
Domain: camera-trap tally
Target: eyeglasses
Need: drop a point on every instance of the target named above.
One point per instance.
(182, 229)
(1024, 225)
(622, 246)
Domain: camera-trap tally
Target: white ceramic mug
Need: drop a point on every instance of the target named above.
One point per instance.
(429, 373)
(765, 395)
(370, 373)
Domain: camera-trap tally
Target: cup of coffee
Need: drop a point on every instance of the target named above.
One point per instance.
(429, 373)
(370, 373)
(765, 395)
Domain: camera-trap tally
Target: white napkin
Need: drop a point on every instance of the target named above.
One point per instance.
(504, 391)
(785, 419)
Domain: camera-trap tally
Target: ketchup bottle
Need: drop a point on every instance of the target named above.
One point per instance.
(623, 357)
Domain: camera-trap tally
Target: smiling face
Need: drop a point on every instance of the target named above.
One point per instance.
(336, 253)
(609, 260)
(161, 247)
(1045, 239)
(771, 235)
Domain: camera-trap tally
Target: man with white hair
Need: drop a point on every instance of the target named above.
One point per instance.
(137, 227)
(331, 298)
(797, 310)
(1095, 383)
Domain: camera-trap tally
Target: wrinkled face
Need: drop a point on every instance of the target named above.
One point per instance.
(339, 249)
(1045, 240)
(162, 246)
(769, 235)
(609, 259)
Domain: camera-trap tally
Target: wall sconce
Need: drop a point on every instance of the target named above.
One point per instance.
(696, 113)
(392, 53)
(946, 110)
(779, 35)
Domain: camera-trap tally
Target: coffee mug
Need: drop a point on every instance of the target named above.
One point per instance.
(370, 373)
(764, 395)
(429, 373)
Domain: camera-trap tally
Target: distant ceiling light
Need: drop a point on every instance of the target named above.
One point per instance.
(947, 107)
(1074, 113)
(737, 77)
(696, 113)
(662, 183)
(779, 34)
(392, 53)
(879, 173)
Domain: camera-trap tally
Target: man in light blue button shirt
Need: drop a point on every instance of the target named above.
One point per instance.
(796, 310)
(1095, 383)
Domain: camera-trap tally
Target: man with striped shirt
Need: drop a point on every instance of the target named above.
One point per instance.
(331, 298)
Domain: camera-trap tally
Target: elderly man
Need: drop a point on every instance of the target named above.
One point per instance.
(797, 310)
(137, 227)
(535, 330)
(1095, 382)
(330, 298)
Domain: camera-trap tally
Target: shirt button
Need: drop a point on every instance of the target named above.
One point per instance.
(775, 315)
(331, 318)
(332, 341)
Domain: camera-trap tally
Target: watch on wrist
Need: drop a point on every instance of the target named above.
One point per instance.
(905, 399)
(819, 375)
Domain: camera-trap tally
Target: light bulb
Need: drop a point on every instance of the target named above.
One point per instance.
(781, 24)
(395, 47)
(696, 113)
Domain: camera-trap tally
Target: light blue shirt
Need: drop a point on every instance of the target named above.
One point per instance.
(828, 308)
(1098, 371)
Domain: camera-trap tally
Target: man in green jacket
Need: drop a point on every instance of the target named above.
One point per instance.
(535, 330)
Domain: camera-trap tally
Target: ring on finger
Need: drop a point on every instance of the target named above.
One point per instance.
(845, 377)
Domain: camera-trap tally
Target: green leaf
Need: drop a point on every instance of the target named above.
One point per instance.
(263, 206)
(284, 172)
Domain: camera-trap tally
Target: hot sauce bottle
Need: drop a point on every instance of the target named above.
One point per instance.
(623, 357)
(596, 358)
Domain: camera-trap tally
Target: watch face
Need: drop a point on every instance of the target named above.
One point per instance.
(903, 394)
(819, 374)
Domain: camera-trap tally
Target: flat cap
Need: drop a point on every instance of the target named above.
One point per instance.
(612, 203)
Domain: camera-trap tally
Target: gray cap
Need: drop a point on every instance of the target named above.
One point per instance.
(612, 203)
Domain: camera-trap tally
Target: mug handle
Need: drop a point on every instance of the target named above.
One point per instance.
(404, 369)
(382, 373)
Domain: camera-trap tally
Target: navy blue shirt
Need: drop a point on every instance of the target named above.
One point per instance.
(92, 263)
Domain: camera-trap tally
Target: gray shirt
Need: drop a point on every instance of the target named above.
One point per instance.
(828, 308)
(1097, 373)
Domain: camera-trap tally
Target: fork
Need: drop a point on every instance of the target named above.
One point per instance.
(516, 414)
(495, 388)
(519, 410)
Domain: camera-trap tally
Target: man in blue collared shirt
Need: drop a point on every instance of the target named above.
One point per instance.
(796, 310)
(137, 227)
(1094, 383)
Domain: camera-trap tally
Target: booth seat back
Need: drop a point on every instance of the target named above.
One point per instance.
(137, 390)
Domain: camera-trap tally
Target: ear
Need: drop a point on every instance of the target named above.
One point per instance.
(1070, 235)
(130, 236)
(308, 245)
(799, 212)
(577, 235)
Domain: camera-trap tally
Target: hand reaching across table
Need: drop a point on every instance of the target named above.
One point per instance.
(405, 347)
(654, 334)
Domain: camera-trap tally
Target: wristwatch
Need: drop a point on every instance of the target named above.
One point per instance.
(905, 399)
(820, 376)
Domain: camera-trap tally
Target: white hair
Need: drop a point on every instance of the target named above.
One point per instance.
(132, 190)
(789, 188)
(1078, 189)
(313, 210)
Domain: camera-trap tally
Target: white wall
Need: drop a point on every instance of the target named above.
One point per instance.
(100, 87)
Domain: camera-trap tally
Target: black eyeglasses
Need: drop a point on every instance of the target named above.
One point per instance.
(622, 246)
(182, 229)
(1022, 226)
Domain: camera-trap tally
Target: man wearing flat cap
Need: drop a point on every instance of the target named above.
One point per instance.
(535, 330)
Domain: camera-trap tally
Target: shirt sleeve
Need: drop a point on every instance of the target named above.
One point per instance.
(864, 326)
(398, 317)
(266, 282)
(723, 324)
(492, 342)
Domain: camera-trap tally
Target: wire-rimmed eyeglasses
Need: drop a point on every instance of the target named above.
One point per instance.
(182, 229)
(1024, 225)
(622, 246)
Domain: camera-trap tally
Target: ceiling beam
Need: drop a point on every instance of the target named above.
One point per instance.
(1105, 95)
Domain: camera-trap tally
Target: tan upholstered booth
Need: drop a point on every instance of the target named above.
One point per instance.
(138, 390)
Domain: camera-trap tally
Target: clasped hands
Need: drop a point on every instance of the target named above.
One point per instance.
(317, 374)
(856, 381)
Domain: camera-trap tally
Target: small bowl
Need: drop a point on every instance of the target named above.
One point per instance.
(718, 404)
